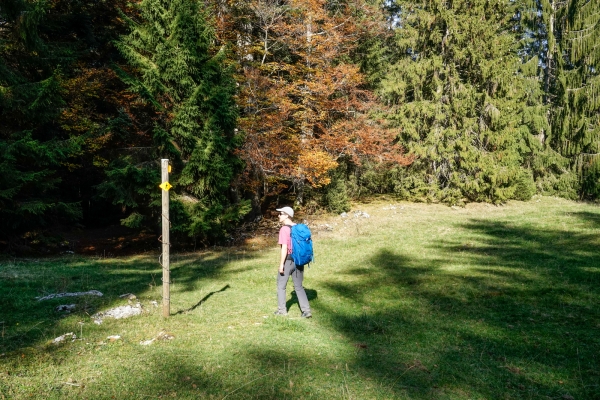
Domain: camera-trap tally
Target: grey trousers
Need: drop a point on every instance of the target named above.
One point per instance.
(289, 268)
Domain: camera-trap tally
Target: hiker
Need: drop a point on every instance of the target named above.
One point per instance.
(287, 266)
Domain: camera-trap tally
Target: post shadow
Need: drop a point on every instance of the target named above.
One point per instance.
(198, 304)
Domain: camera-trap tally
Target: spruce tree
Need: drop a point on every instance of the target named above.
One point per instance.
(180, 72)
(33, 147)
(536, 51)
(460, 100)
(576, 91)
(561, 39)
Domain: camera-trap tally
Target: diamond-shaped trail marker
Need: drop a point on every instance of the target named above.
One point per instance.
(165, 186)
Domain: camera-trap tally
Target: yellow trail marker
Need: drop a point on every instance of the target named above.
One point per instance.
(165, 186)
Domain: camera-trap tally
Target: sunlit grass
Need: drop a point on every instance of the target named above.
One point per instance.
(417, 301)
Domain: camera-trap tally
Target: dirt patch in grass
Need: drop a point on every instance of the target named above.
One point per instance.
(111, 241)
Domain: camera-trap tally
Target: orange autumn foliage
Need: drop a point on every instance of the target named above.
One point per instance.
(304, 104)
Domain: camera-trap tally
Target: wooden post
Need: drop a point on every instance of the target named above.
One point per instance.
(166, 280)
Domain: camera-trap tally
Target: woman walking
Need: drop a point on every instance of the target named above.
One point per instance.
(287, 267)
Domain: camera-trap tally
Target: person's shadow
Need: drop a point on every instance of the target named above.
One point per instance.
(311, 294)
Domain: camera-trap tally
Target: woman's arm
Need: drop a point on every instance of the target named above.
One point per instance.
(282, 257)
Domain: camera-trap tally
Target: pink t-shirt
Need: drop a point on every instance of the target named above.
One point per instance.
(285, 238)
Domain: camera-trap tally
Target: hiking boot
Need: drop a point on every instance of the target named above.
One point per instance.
(279, 312)
(306, 314)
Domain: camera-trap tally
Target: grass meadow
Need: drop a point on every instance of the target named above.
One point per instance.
(415, 302)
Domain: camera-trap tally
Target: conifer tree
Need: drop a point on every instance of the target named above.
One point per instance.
(183, 76)
(561, 37)
(549, 168)
(576, 91)
(32, 147)
(460, 100)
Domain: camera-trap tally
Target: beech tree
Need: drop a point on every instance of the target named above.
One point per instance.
(305, 104)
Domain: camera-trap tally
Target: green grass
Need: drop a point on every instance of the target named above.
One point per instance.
(415, 302)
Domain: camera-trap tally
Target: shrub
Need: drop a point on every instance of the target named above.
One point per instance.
(524, 186)
(336, 195)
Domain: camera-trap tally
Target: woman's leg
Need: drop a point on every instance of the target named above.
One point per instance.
(297, 278)
(282, 280)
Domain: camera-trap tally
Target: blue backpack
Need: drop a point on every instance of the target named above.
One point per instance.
(302, 247)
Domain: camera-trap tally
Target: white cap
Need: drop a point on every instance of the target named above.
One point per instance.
(287, 210)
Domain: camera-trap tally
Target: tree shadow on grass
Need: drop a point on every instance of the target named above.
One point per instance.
(508, 245)
(161, 373)
(511, 310)
(28, 322)
(592, 218)
(191, 269)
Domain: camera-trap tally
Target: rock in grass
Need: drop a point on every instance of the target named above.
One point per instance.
(162, 335)
(62, 338)
(66, 308)
(74, 294)
(118, 313)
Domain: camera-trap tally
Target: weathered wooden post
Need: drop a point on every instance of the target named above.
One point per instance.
(166, 280)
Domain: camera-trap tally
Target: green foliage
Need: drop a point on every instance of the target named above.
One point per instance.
(372, 178)
(28, 184)
(130, 185)
(32, 150)
(489, 96)
(212, 220)
(576, 90)
(590, 181)
(336, 194)
(134, 220)
(458, 102)
(25, 17)
(184, 77)
(63, 114)
(525, 186)
(563, 185)
(561, 38)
